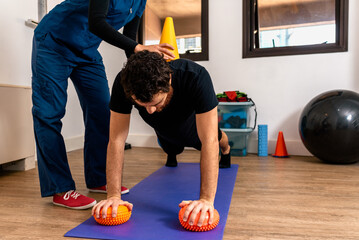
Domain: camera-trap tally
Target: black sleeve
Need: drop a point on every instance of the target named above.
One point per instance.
(204, 93)
(130, 30)
(100, 27)
(119, 102)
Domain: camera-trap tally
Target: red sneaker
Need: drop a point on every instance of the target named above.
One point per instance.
(73, 200)
(103, 189)
(124, 190)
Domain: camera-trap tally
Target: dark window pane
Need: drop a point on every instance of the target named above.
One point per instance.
(286, 27)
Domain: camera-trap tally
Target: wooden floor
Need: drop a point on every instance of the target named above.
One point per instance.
(293, 198)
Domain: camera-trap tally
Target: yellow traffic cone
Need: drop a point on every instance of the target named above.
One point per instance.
(169, 36)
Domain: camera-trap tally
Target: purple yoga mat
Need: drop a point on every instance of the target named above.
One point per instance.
(155, 211)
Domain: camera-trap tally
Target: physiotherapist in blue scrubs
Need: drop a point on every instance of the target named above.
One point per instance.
(65, 46)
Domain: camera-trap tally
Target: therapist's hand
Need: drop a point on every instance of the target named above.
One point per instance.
(163, 48)
(194, 207)
(113, 202)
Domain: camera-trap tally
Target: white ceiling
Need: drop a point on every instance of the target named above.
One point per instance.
(175, 8)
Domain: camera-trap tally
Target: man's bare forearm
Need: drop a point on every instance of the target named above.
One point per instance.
(114, 168)
(209, 170)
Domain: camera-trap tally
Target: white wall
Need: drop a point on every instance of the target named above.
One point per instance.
(280, 86)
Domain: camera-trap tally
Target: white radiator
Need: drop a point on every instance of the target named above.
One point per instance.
(17, 143)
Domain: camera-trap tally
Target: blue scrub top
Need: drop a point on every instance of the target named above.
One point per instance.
(65, 28)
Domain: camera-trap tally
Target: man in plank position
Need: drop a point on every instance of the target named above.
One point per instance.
(177, 99)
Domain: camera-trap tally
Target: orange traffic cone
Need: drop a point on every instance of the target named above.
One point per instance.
(168, 36)
(280, 150)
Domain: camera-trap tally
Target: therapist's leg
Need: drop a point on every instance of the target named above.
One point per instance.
(92, 88)
(49, 84)
(49, 96)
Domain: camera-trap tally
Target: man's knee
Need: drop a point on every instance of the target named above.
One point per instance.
(170, 148)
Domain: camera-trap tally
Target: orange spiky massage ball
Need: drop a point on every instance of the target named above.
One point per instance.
(205, 226)
(123, 214)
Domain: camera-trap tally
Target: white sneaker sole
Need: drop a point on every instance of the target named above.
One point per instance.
(101, 191)
(97, 191)
(125, 191)
(77, 208)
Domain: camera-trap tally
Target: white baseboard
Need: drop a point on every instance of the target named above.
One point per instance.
(71, 144)
(139, 140)
(294, 147)
(74, 143)
(136, 140)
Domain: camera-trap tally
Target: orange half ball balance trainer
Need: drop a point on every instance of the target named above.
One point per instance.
(205, 226)
(123, 214)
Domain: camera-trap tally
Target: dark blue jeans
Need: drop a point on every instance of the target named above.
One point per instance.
(50, 73)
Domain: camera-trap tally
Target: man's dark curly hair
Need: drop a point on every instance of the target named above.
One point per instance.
(144, 75)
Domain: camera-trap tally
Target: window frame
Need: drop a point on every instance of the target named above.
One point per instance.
(250, 38)
(204, 54)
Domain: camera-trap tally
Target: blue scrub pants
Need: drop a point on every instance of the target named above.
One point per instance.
(50, 73)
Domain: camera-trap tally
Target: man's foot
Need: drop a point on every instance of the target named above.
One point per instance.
(171, 161)
(73, 200)
(103, 189)
(225, 161)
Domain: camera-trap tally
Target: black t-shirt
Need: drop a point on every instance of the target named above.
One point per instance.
(193, 93)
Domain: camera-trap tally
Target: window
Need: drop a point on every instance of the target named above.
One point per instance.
(288, 27)
(190, 20)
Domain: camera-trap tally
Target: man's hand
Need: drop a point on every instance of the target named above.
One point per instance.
(163, 48)
(113, 202)
(194, 207)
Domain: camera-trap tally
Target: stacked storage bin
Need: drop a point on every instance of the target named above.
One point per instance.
(234, 119)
